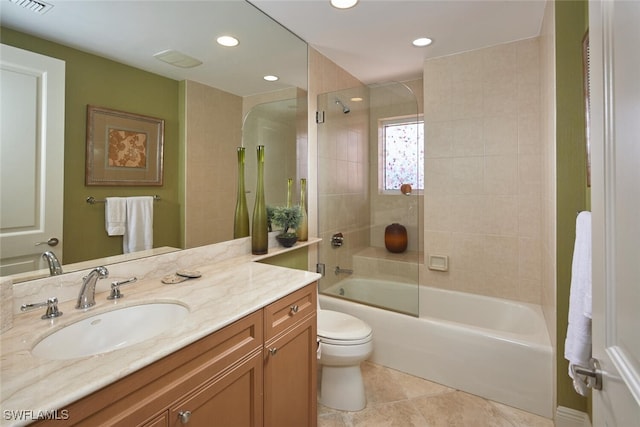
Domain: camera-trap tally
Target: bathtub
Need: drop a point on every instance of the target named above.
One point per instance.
(494, 348)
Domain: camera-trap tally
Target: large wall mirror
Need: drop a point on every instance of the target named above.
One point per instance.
(208, 110)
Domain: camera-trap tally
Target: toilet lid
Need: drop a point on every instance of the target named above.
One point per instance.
(341, 326)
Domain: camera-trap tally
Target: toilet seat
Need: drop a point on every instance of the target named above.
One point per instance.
(342, 329)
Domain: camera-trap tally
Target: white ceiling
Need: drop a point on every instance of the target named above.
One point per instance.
(132, 31)
(372, 41)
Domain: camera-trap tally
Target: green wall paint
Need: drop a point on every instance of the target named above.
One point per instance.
(571, 25)
(297, 259)
(98, 81)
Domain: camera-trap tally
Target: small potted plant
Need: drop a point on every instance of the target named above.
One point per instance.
(286, 218)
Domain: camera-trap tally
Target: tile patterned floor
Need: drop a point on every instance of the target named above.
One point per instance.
(398, 399)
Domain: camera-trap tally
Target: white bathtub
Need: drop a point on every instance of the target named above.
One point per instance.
(490, 347)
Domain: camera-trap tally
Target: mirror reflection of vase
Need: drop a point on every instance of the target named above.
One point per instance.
(303, 228)
(241, 217)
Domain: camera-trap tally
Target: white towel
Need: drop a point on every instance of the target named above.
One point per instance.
(577, 346)
(115, 215)
(139, 231)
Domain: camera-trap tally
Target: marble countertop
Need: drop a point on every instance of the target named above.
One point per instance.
(227, 291)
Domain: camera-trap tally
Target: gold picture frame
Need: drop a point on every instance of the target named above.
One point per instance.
(123, 148)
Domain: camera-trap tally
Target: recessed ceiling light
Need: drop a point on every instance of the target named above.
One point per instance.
(176, 58)
(356, 99)
(228, 41)
(343, 4)
(271, 78)
(422, 42)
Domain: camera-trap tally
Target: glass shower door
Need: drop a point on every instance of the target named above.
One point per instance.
(369, 148)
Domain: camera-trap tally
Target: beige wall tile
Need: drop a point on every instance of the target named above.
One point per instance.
(468, 137)
(501, 175)
(492, 137)
(467, 175)
(500, 135)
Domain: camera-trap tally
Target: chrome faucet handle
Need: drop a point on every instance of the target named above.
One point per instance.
(52, 308)
(115, 288)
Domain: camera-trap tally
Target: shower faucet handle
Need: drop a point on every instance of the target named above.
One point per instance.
(337, 240)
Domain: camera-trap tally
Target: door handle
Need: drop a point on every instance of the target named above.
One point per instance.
(51, 242)
(587, 377)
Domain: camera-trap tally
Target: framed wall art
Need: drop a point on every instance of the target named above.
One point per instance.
(123, 148)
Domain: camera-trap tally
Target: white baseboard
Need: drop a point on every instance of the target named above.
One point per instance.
(567, 417)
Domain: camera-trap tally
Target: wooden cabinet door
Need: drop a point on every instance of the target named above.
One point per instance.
(290, 377)
(232, 399)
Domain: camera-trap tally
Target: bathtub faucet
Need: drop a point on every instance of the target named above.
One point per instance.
(343, 270)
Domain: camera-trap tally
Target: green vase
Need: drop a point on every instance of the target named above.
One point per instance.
(289, 192)
(259, 234)
(303, 228)
(241, 217)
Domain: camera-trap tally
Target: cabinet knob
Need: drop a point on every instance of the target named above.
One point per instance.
(273, 351)
(294, 309)
(184, 416)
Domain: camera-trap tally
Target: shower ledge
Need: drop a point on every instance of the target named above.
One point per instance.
(410, 257)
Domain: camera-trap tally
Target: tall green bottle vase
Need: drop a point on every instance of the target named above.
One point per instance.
(303, 228)
(241, 217)
(289, 192)
(259, 233)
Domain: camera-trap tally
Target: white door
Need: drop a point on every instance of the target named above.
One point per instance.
(31, 158)
(614, 36)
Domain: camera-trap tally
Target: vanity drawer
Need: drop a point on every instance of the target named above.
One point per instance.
(287, 311)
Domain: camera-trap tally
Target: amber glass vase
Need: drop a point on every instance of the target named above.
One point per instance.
(395, 238)
(241, 217)
(259, 233)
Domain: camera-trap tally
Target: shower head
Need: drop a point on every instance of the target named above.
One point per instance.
(345, 109)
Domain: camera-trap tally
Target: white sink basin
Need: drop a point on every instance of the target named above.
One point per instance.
(110, 331)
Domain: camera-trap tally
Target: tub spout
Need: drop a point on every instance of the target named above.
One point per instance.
(339, 270)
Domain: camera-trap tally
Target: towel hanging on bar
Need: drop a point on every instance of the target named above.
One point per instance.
(92, 200)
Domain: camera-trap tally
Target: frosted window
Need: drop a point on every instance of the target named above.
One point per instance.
(403, 155)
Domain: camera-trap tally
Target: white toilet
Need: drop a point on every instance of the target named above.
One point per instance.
(345, 342)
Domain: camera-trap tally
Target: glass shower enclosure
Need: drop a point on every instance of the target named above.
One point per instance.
(370, 169)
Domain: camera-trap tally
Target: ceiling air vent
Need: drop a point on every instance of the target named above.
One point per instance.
(34, 6)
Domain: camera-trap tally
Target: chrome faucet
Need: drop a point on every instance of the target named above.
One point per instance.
(339, 270)
(54, 265)
(87, 296)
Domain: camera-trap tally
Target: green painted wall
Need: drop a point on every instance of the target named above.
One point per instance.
(571, 24)
(297, 259)
(98, 81)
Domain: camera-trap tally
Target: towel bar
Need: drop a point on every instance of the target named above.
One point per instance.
(92, 200)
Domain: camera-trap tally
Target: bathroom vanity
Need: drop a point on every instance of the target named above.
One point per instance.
(245, 355)
(260, 370)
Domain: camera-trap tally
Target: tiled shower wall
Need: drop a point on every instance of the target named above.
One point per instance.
(483, 171)
(389, 102)
(548, 135)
